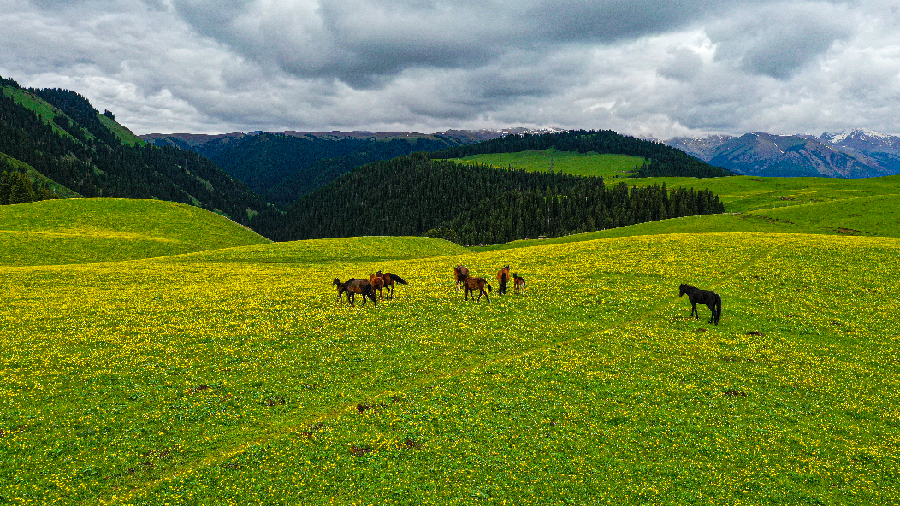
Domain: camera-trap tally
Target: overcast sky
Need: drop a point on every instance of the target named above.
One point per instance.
(650, 68)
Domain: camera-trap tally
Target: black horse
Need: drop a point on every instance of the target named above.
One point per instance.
(711, 299)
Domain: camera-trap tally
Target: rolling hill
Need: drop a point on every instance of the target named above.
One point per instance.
(80, 231)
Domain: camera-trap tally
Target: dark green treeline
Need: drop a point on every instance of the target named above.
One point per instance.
(466, 204)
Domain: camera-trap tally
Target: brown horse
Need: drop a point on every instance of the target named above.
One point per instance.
(389, 280)
(503, 278)
(471, 284)
(518, 282)
(341, 287)
(377, 284)
(459, 274)
(362, 287)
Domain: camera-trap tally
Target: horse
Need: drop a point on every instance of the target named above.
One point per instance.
(518, 282)
(503, 278)
(459, 274)
(711, 299)
(341, 287)
(377, 284)
(471, 284)
(362, 287)
(389, 280)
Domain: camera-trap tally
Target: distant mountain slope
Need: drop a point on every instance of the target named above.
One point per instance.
(285, 166)
(58, 134)
(852, 154)
(66, 231)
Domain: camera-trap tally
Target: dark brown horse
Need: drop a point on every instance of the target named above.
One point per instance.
(471, 284)
(341, 287)
(459, 274)
(377, 284)
(503, 278)
(389, 280)
(518, 282)
(358, 286)
(711, 299)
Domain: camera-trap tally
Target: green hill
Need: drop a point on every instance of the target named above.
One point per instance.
(74, 231)
(56, 135)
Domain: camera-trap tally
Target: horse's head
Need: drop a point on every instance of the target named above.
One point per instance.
(336, 282)
(683, 289)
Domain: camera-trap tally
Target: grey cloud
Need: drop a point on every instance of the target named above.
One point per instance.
(778, 40)
(638, 66)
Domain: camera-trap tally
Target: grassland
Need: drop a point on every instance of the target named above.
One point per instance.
(109, 230)
(551, 160)
(232, 375)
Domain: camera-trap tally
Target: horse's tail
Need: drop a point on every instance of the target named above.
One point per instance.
(398, 279)
(489, 288)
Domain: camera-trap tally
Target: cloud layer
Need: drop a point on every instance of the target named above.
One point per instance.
(640, 67)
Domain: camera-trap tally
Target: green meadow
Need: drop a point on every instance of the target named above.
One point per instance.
(568, 162)
(154, 353)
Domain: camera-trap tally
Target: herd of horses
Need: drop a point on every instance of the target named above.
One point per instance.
(381, 281)
(367, 287)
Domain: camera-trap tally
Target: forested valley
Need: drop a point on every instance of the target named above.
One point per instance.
(415, 195)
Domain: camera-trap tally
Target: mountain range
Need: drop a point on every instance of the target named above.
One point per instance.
(851, 154)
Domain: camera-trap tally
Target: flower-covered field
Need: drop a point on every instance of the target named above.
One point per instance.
(236, 377)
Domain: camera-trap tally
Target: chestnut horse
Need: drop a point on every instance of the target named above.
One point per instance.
(471, 284)
(503, 278)
(459, 274)
(377, 284)
(389, 280)
(518, 283)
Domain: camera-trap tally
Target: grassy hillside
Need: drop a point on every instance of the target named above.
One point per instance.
(199, 379)
(568, 162)
(106, 230)
(877, 216)
(738, 193)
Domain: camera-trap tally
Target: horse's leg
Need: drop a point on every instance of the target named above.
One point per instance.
(694, 311)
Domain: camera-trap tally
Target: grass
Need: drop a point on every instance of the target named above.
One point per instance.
(125, 135)
(551, 160)
(226, 372)
(227, 378)
(69, 231)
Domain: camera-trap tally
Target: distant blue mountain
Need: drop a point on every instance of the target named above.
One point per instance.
(854, 154)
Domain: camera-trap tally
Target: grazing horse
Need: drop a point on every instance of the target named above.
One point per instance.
(341, 287)
(518, 282)
(389, 280)
(362, 287)
(460, 273)
(503, 278)
(711, 299)
(377, 284)
(471, 284)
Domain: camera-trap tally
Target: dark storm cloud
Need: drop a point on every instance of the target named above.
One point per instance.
(637, 66)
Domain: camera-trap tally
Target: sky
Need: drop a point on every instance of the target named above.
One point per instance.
(646, 68)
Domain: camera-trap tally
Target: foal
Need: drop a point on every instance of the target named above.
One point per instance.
(711, 299)
(518, 282)
(471, 284)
